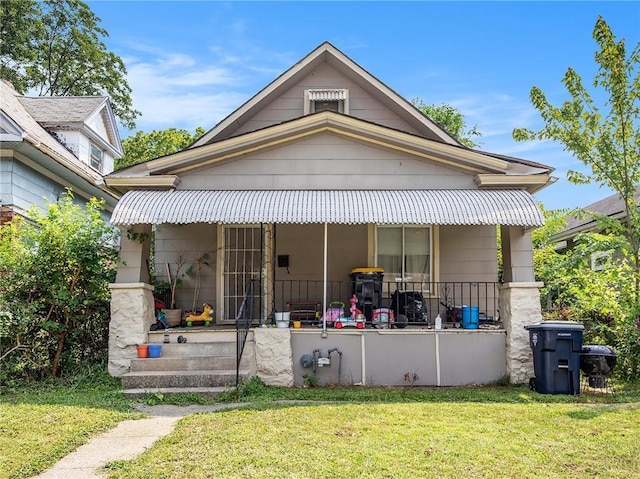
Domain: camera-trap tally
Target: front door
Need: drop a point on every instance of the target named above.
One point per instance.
(242, 260)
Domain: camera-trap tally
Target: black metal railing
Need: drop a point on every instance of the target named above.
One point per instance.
(244, 319)
(419, 302)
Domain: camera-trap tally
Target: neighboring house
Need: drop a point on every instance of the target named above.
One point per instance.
(324, 171)
(53, 143)
(586, 222)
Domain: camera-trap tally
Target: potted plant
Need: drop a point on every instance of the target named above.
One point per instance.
(172, 314)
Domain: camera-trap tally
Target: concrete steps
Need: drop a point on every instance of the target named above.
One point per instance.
(205, 364)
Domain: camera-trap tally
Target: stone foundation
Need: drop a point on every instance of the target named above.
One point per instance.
(273, 356)
(132, 314)
(519, 307)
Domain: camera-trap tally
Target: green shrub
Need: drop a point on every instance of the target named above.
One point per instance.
(54, 289)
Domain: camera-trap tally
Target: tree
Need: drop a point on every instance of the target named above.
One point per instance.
(146, 146)
(54, 288)
(600, 299)
(451, 119)
(604, 137)
(55, 47)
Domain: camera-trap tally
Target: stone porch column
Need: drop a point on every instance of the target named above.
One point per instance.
(274, 357)
(132, 314)
(519, 307)
(519, 300)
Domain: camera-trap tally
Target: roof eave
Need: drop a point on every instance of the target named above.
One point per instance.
(123, 184)
(531, 183)
(311, 124)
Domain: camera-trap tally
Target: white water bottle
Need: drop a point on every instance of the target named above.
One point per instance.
(438, 322)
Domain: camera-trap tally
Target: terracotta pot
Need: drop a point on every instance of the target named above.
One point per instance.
(143, 350)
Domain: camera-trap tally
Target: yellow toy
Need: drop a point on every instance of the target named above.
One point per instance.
(205, 316)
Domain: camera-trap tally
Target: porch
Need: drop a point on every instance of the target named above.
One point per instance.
(206, 362)
(303, 266)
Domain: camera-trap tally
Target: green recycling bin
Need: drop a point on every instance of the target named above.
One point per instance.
(556, 349)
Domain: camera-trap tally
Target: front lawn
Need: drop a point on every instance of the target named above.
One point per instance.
(394, 440)
(41, 423)
(362, 432)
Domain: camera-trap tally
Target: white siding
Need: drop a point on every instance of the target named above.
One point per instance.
(468, 253)
(327, 161)
(290, 105)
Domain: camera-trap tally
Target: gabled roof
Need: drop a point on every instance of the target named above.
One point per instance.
(326, 52)
(24, 134)
(62, 110)
(611, 206)
(76, 113)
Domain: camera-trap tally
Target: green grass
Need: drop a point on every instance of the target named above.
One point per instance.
(42, 422)
(399, 440)
(364, 432)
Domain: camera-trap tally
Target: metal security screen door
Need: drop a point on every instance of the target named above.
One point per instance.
(242, 263)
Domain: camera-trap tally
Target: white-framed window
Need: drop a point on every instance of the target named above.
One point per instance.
(323, 99)
(97, 158)
(600, 259)
(405, 254)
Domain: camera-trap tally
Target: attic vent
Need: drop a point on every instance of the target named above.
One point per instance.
(319, 99)
(327, 94)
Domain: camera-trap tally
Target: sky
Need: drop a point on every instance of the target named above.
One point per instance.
(191, 63)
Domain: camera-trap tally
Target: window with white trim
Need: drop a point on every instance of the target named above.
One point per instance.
(405, 253)
(97, 158)
(600, 259)
(323, 99)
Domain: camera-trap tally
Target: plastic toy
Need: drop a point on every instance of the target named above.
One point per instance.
(353, 310)
(204, 317)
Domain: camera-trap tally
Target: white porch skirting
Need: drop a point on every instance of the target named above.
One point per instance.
(451, 357)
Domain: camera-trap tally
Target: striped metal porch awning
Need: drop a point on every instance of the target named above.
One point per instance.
(442, 207)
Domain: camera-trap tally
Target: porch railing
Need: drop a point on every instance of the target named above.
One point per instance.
(421, 302)
(244, 318)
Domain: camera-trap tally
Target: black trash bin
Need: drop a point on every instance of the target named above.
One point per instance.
(556, 349)
(366, 284)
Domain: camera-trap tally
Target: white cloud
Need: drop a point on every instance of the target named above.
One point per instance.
(174, 89)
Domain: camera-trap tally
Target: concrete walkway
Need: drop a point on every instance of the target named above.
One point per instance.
(126, 441)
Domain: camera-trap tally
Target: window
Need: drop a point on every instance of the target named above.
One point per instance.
(404, 252)
(600, 259)
(326, 99)
(96, 158)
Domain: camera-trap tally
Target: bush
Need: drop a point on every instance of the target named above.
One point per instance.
(54, 294)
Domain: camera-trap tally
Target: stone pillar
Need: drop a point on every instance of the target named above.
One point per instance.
(274, 363)
(519, 307)
(132, 314)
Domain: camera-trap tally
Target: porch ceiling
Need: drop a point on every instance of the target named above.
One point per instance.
(443, 207)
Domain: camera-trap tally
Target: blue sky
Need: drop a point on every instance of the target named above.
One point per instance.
(192, 63)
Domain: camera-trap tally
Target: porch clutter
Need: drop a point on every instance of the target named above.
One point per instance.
(282, 319)
(205, 317)
(143, 350)
(155, 350)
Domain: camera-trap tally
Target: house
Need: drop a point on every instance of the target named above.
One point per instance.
(587, 222)
(323, 185)
(53, 143)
